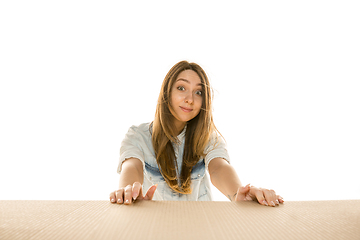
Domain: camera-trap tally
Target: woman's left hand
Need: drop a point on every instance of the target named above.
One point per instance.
(263, 196)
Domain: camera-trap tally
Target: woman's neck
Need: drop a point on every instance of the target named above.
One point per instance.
(179, 126)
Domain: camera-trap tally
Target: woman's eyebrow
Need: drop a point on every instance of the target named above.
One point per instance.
(185, 80)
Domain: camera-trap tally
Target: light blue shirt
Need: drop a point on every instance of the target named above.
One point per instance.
(138, 144)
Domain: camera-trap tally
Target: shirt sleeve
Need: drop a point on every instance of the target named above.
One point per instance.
(131, 147)
(216, 149)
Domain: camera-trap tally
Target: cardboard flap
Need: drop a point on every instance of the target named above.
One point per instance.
(179, 220)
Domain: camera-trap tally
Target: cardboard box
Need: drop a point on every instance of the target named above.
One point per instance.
(179, 220)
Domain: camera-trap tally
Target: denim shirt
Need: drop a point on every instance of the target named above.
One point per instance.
(138, 144)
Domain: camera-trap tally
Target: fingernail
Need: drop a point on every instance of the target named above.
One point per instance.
(277, 202)
(265, 203)
(272, 203)
(134, 198)
(119, 201)
(126, 201)
(112, 200)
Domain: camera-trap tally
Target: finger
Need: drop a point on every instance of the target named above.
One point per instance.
(127, 194)
(281, 200)
(260, 196)
(136, 190)
(242, 192)
(248, 198)
(112, 197)
(245, 189)
(119, 196)
(150, 192)
(270, 197)
(248, 195)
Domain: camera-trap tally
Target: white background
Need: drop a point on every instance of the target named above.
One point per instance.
(75, 75)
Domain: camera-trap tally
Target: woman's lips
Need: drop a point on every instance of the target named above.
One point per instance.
(186, 109)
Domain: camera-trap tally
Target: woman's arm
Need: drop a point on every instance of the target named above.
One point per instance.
(131, 171)
(223, 176)
(130, 183)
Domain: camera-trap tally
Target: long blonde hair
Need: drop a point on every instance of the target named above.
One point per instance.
(198, 130)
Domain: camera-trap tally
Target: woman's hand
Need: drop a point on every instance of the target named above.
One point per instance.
(129, 194)
(261, 195)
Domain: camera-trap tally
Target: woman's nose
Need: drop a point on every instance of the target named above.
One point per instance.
(189, 98)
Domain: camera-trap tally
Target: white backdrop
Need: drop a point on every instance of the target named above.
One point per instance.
(75, 75)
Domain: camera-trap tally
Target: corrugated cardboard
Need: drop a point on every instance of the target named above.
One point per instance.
(179, 220)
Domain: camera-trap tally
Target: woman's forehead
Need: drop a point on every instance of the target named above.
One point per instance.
(189, 76)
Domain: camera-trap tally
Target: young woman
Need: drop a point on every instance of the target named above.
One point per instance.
(177, 151)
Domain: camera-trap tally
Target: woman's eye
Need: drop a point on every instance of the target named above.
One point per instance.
(181, 88)
(199, 93)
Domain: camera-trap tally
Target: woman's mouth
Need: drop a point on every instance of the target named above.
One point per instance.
(186, 109)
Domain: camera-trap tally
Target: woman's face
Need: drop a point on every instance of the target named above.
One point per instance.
(186, 97)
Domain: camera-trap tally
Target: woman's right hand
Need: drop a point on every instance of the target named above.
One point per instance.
(129, 194)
